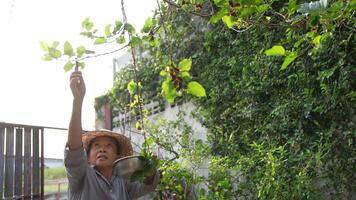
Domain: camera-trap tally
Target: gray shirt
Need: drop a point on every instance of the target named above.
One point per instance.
(86, 183)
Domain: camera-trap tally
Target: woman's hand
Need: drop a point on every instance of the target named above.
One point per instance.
(77, 85)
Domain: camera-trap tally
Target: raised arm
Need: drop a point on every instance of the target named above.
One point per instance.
(77, 86)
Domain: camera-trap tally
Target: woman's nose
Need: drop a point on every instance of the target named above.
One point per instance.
(102, 149)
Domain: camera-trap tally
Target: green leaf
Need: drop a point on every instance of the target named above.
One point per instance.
(139, 84)
(326, 74)
(120, 40)
(292, 6)
(221, 13)
(108, 30)
(68, 66)
(230, 21)
(137, 176)
(288, 60)
(352, 95)
(148, 25)
(135, 41)
(196, 89)
(68, 50)
(162, 73)
(131, 87)
(54, 53)
(47, 57)
(246, 12)
(100, 40)
(275, 51)
(150, 140)
(130, 28)
(153, 42)
(220, 3)
(138, 125)
(185, 74)
(87, 24)
(55, 44)
(316, 40)
(81, 65)
(250, 2)
(169, 91)
(263, 8)
(80, 51)
(117, 27)
(185, 64)
(87, 34)
(44, 46)
(85, 21)
(314, 20)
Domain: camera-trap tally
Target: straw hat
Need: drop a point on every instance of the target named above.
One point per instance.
(125, 147)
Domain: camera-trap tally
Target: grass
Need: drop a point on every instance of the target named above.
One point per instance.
(54, 173)
(54, 188)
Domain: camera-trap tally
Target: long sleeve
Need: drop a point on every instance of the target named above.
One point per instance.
(76, 165)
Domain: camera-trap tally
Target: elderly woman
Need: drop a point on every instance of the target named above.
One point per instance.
(89, 158)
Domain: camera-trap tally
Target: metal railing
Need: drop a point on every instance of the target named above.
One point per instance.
(22, 161)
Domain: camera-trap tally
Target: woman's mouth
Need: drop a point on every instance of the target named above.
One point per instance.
(100, 157)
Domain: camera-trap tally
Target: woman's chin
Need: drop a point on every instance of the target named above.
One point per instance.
(103, 163)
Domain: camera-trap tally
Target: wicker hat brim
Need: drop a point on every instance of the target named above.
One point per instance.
(125, 147)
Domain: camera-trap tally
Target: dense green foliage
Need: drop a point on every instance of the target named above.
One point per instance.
(291, 132)
(307, 109)
(279, 80)
(280, 106)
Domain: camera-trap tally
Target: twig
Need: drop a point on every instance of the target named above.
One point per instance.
(279, 14)
(170, 51)
(110, 36)
(241, 31)
(103, 54)
(165, 147)
(135, 74)
(176, 155)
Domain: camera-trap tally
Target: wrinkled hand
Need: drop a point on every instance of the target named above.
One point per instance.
(149, 178)
(77, 85)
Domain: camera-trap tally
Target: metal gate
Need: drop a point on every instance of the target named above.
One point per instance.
(21, 161)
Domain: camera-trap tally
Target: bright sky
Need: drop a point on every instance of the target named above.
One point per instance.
(36, 92)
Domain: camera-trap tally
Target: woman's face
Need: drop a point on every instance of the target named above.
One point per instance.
(103, 152)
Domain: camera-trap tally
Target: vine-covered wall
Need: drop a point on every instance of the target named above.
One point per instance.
(280, 94)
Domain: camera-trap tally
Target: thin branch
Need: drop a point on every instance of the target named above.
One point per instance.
(170, 50)
(212, 7)
(241, 31)
(123, 12)
(138, 91)
(165, 146)
(103, 54)
(171, 150)
(278, 14)
(110, 36)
